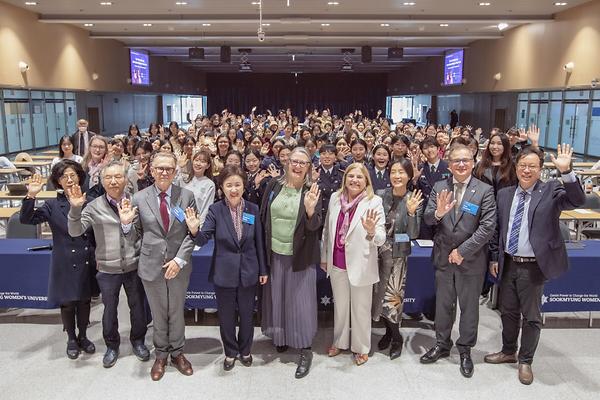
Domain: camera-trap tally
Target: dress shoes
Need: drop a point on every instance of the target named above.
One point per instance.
(110, 358)
(500, 358)
(384, 342)
(158, 369)
(396, 349)
(72, 349)
(281, 349)
(182, 364)
(228, 363)
(86, 345)
(525, 374)
(434, 354)
(141, 352)
(246, 360)
(304, 363)
(466, 365)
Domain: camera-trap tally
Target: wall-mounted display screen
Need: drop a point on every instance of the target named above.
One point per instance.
(454, 67)
(139, 63)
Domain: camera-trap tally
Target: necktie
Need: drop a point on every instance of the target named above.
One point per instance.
(433, 169)
(458, 195)
(515, 230)
(379, 175)
(164, 211)
(113, 205)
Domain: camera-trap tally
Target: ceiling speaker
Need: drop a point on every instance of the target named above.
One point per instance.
(395, 52)
(196, 53)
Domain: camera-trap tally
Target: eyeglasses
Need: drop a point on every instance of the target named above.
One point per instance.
(299, 163)
(97, 147)
(464, 161)
(523, 167)
(162, 170)
(66, 177)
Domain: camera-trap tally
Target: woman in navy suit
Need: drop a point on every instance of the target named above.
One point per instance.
(238, 261)
(73, 263)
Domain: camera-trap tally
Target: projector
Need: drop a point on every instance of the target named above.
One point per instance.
(347, 68)
(245, 68)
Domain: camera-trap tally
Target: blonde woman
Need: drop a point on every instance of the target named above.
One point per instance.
(353, 229)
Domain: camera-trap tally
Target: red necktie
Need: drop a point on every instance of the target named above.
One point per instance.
(164, 210)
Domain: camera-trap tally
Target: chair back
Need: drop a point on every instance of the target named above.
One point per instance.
(16, 230)
(592, 201)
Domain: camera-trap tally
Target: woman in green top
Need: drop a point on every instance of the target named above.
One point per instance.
(291, 216)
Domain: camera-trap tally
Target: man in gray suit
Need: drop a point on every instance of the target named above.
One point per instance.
(116, 259)
(165, 260)
(463, 210)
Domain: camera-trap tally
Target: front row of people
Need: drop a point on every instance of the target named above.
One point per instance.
(145, 245)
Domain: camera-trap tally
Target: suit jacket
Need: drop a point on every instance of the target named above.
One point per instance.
(361, 255)
(234, 262)
(306, 233)
(468, 233)
(380, 184)
(77, 138)
(548, 200)
(158, 246)
(428, 179)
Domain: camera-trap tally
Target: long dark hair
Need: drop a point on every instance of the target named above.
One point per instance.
(507, 167)
(63, 139)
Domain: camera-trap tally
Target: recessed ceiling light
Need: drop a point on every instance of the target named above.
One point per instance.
(409, 3)
(266, 24)
(333, 3)
(88, 25)
(444, 25)
(181, 3)
(325, 24)
(255, 3)
(106, 3)
(384, 24)
(31, 3)
(560, 3)
(502, 26)
(206, 24)
(485, 4)
(147, 24)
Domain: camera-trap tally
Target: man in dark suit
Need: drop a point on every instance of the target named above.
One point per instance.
(81, 138)
(165, 260)
(464, 226)
(432, 171)
(528, 250)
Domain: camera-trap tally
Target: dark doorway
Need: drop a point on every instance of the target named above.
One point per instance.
(500, 119)
(94, 119)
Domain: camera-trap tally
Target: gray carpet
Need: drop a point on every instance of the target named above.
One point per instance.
(567, 366)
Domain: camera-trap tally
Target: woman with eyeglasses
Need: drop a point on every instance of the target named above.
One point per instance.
(96, 157)
(291, 216)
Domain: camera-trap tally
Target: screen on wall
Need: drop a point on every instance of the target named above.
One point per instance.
(453, 67)
(139, 63)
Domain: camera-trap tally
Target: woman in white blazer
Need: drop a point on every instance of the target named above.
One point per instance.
(353, 229)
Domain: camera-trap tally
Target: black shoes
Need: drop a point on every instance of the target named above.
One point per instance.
(304, 363)
(281, 349)
(86, 345)
(466, 365)
(384, 342)
(396, 349)
(141, 352)
(434, 354)
(246, 360)
(110, 358)
(228, 363)
(72, 349)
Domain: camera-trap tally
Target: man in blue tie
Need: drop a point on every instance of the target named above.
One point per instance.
(528, 250)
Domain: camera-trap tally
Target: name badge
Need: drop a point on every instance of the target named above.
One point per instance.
(178, 213)
(469, 208)
(248, 218)
(401, 238)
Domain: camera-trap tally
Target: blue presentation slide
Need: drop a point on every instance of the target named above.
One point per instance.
(453, 68)
(140, 67)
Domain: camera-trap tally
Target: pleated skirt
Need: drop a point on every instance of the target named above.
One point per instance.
(289, 305)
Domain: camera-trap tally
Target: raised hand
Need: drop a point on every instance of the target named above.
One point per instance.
(35, 185)
(141, 171)
(343, 153)
(75, 197)
(311, 198)
(562, 161)
(413, 202)
(369, 222)
(445, 203)
(522, 135)
(192, 221)
(315, 174)
(264, 150)
(126, 211)
(253, 109)
(273, 171)
(533, 134)
(259, 178)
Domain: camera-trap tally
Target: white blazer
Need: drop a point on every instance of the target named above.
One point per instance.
(361, 255)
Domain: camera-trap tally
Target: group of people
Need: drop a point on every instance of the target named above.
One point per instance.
(282, 197)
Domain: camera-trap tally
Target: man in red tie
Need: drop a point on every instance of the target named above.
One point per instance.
(165, 259)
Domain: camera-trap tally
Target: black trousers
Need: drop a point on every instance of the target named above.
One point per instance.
(452, 285)
(110, 287)
(75, 312)
(521, 289)
(233, 305)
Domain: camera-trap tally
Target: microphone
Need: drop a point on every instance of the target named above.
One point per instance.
(39, 248)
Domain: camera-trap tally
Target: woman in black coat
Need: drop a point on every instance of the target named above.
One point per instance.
(73, 263)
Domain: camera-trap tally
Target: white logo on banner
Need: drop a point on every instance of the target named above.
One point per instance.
(570, 298)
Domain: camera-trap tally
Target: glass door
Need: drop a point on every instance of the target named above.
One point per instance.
(575, 125)
(52, 123)
(594, 142)
(18, 126)
(39, 123)
(543, 122)
(553, 124)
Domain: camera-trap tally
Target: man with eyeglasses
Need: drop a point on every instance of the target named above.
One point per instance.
(165, 259)
(528, 249)
(463, 211)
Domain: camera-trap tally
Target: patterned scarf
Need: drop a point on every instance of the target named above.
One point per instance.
(236, 217)
(347, 209)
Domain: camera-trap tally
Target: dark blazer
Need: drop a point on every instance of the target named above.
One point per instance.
(548, 200)
(73, 265)
(306, 250)
(234, 262)
(380, 184)
(428, 179)
(495, 180)
(78, 142)
(470, 234)
(328, 184)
